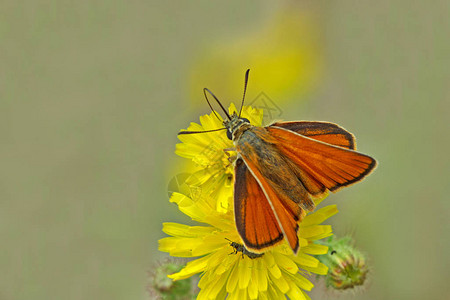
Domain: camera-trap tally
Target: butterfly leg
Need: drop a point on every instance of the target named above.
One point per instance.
(234, 251)
(226, 150)
(231, 158)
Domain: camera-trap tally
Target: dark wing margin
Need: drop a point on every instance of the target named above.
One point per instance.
(322, 131)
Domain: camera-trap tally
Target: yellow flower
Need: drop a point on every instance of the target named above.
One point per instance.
(228, 274)
(212, 172)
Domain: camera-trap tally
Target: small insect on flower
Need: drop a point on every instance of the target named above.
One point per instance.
(281, 169)
(240, 248)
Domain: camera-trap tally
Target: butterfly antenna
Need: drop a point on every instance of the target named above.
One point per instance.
(245, 90)
(207, 90)
(191, 132)
(210, 105)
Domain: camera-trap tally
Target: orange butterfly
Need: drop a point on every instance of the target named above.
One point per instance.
(280, 168)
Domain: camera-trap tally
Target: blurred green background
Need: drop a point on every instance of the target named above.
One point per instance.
(93, 93)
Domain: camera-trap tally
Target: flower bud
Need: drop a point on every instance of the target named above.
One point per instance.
(162, 287)
(347, 266)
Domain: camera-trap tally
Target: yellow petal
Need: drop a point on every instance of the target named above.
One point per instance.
(302, 282)
(280, 283)
(176, 229)
(306, 296)
(181, 200)
(226, 264)
(263, 296)
(305, 260)
(315, 249)
(181, 247)
(216, 286)
(285, 262)
(191, 268)
(253, 288)
(271, 265)
(314, 231)
(166, 244)
(208, 245)
(261, 273)
(294, 292)
(253, 114)
(320, 269)
(325, 234)
(274, 293)
(233, 279)
(302, 242)
(239, 294)
(245, 271)
(319, 215)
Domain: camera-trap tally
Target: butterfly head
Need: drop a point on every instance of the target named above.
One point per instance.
(236, 125)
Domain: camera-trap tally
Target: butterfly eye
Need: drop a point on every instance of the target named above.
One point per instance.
(229, 135)
(246, 120)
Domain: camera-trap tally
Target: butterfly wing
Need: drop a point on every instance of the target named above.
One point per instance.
(281, 190)
(255, 219)
(322, 131)
(320, 165)
(262, 217)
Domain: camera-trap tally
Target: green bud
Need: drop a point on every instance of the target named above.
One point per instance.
(347, 266)
(164, 288)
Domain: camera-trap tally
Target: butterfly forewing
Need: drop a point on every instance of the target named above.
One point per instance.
(322, 131)
(322, 163)
(270, 201)
(255, 219)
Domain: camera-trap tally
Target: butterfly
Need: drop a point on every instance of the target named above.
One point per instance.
(281, 168)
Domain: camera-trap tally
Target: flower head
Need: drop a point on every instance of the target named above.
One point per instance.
(231, 272)
(228, 270)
